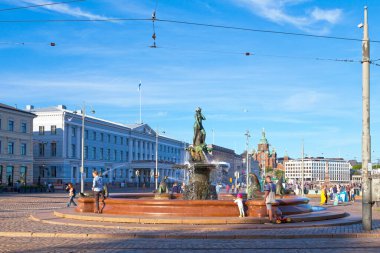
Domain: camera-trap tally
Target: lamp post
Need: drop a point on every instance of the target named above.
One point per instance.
(302, 170)
(237, 175)
(156, 176)
(138, 178)
(247, 159)
(366, 134)
(83, 112)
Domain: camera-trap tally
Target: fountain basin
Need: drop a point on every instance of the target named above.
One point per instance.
(146, 205)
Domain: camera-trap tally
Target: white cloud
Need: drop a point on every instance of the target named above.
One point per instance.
(331, 16)
(66, 9)
(276, 11)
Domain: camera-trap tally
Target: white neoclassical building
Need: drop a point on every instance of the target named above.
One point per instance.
(315, 169)
(16, 149)
(123, 153)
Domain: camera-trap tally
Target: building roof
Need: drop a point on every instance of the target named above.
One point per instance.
(11, 108)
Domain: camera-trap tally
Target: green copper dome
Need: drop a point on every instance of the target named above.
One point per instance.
(263, 139)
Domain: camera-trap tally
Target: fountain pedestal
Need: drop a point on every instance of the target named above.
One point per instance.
(199, 187)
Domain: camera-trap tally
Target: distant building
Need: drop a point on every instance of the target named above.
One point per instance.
(265, 157)
(123, 153)
(16, 146)
(315, 169)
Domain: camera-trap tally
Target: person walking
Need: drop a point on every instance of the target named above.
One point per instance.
(97, 188)
(70, 188)
(270, 196)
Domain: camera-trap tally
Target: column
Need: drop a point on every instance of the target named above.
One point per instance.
(78, 141)
(141, 149)
(71, 174)
(130, 150)
(146, 151)
(136, 150)
(69, 139)
(151, 150)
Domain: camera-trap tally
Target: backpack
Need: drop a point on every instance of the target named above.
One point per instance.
(74, 192)
(99, 183)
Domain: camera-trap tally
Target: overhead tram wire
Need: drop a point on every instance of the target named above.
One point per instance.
(248, 53)
(40, 5)
(189, 23)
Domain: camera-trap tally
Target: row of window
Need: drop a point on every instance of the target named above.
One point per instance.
(9, 175)
(121, 140)
(11, 126)
(53, 130)
(117, 155)
(11, 148)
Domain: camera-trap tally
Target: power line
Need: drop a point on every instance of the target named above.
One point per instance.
(189, 23)
(40, 5)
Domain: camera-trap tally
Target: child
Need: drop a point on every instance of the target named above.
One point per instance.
(239, 201)
(72, 194)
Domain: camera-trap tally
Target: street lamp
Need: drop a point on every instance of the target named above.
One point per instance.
(247, 143)
(156, 176)
(138, 178)
(237, 175)
(83, 112)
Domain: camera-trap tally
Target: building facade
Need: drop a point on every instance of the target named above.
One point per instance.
(264, 156)
(122, 153)
(16, 146)
(317, 169)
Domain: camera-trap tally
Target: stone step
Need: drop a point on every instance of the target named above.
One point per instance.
(66, 217)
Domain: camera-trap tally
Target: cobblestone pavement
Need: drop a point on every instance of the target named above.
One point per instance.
(15, 210)
(189, 245)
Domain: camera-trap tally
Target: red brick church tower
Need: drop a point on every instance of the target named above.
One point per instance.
(263, 155)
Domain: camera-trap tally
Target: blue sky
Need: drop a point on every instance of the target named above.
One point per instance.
(279, 88)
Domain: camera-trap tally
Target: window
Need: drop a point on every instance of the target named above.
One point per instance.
(86, 172)
(53, 171)
(115, 155)
(121, 155)
(23, 174)
(109, 138)
(23, 148)
(101, 154)
(94, 136)
(73, 150)
(23, 127)
(9, 175)
(86, 134)
(94, 153)
(86, 152)
(73, 131)
(0, 153)
(101, 137)
(108, 154)
(121, 140)
(11, 148)
(127, 156)
(115, 139)
(1, 173)
(53, 129)
(41, 130)
(11, 125)
(41, 148)
(53, 147)
(0, 128)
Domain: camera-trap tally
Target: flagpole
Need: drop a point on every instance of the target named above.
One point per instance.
(140, 101)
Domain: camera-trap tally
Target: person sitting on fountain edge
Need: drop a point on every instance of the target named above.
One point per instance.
(176, 188)
(239, 202)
